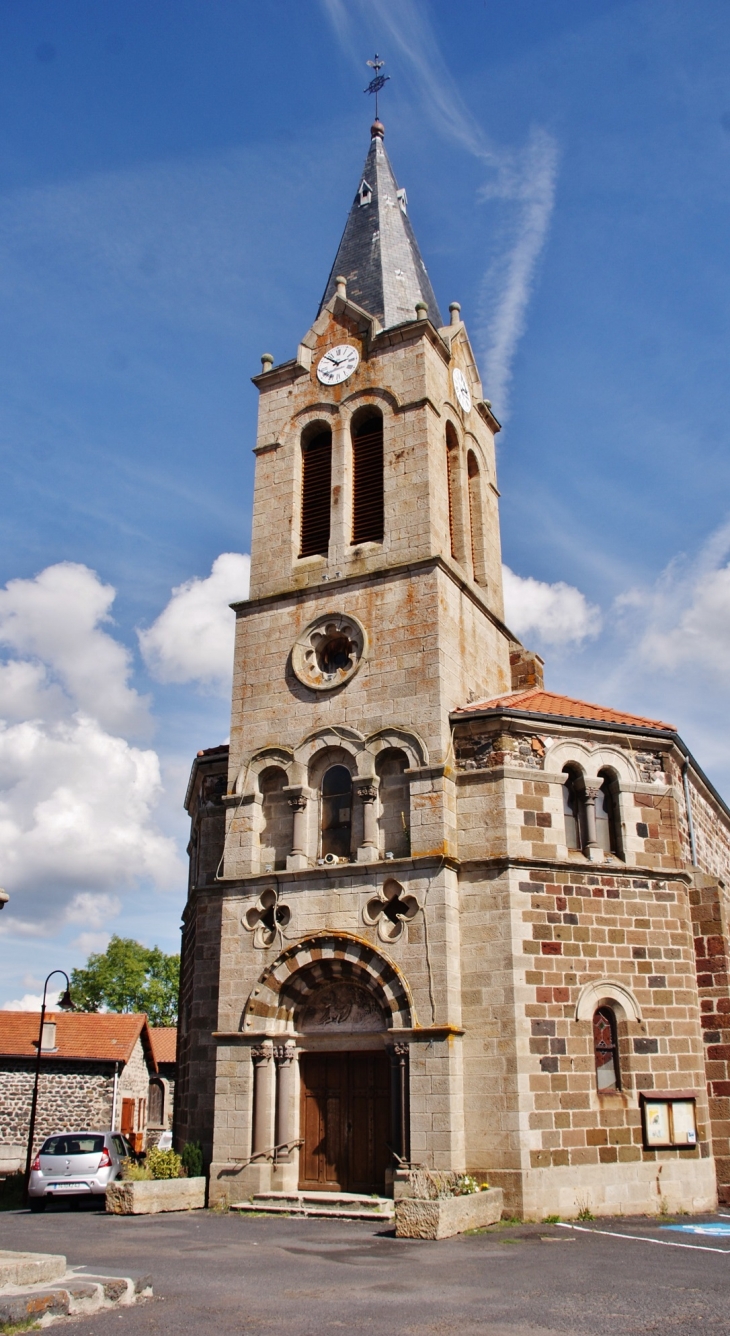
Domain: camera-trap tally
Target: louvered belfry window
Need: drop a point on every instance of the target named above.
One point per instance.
(316, 489)
(368, 517)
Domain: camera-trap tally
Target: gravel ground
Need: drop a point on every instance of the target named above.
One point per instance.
(256, 1275)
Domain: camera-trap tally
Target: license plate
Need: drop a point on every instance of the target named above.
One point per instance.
(69, 1187)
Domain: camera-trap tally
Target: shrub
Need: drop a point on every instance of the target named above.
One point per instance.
(164, 1163)
(192, 1159)
(132, 1172)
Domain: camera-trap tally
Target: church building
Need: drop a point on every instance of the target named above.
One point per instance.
(438, 916)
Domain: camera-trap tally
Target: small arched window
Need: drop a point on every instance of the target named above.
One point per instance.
(316, 489)
(156, 1104)
(452, 474)
(476, 520)
(395, 803)
(368, 515)
(337, 811)
(573, 807)
(605, 1048)
(276, 835)
(607, 824)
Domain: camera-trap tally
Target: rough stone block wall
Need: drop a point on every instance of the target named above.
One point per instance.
(580, 927)
(709, 902)
(66, 1099)
(199, 987)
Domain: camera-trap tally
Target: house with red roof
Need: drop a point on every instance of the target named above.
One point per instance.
(98, 1071)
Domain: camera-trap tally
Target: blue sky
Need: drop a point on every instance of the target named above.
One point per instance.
(174, 181)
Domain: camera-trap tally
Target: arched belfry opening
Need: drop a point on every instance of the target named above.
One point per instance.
(316, 489)
(368, 510)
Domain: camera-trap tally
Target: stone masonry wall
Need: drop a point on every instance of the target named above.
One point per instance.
(66, 1099)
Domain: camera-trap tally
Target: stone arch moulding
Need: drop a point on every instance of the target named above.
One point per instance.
(374, 397)
(592, 995)
(247, 779)
(403, 739)
(327, 739)
(325, 958)
(590, 759)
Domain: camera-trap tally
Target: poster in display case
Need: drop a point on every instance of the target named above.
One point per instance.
(669, 1120)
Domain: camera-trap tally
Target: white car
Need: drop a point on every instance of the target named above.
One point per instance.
(76, 1164)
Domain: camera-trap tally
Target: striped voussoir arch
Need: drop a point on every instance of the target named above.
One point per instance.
(302, 969)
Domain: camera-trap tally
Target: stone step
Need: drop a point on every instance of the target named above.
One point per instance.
(338, 1205)
(74, 1294)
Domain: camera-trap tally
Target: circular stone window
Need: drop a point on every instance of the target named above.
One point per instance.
(329, 651)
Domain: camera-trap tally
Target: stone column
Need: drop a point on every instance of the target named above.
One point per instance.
(298, 801)
(367, 792)
(592, 849)
(399, 1102)
(285, 1177)
(264, 1077)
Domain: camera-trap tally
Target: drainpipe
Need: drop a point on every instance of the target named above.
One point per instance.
(688, 805)
(114, 1097)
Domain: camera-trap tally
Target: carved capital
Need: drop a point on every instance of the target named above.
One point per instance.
(285, 1053)
(367, 793)
(261, 1053)
(591, 790)
(298, 803)
(401, 1050)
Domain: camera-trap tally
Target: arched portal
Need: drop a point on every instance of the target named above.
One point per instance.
(341, 1082)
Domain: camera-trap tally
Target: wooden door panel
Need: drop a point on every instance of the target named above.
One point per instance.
(345, 1113)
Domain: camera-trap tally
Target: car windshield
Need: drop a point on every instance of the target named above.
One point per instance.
(76, 1144)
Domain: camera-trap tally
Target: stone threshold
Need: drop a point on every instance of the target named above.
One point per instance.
(334, 1205)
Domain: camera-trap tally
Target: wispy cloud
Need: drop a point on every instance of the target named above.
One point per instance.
(523, 179)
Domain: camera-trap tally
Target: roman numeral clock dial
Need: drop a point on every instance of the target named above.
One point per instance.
(338, 364)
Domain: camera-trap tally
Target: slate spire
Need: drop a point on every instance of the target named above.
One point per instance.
(378, 253)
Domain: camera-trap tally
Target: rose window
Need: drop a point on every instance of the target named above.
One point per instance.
(329, 651)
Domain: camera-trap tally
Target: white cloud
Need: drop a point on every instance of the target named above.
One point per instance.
(77, 798)
(683, 621)
(192, 639)
(93, 943)
(558, 614)
(31, 1002)
(65, 661)
(523, 179)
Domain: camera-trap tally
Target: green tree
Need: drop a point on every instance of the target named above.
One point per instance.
(129, 977)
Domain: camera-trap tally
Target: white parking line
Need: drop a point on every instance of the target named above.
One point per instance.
(640, 1238)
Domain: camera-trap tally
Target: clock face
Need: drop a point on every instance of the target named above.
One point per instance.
(462, 390)
(338, 364)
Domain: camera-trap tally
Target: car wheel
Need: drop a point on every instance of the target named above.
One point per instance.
(37, 1204)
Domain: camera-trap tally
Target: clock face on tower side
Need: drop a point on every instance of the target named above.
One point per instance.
(338, 364)
(462, 390)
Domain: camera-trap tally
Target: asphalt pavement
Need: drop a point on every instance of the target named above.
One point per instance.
(252, 1276)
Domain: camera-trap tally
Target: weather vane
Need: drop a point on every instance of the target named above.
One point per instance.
(378, 82)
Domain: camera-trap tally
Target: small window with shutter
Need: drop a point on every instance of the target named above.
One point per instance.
(368, 515)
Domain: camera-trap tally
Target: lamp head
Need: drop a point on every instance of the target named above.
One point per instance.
(64, 1002)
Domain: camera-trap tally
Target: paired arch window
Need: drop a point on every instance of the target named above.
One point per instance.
(591, 812)
(607, 824)
(337, 811)
(316, 490)
(395, 803)
(605, 1050)
(368, 513)
(573, 807)
(276, 835)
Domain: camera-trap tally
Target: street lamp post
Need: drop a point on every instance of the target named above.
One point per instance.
(65, 1004)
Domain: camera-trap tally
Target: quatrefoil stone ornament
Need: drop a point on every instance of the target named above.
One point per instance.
(329, 651)
(266, 918)
(390, 910)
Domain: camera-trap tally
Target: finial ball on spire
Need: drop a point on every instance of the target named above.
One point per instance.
(377, 130)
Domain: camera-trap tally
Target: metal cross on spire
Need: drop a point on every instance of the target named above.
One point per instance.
(378, 82)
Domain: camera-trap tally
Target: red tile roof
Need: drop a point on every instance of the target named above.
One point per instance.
(80, 1036)
(538, 701)
(164, 1043)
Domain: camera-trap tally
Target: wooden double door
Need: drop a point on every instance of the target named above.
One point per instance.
(345, 1122)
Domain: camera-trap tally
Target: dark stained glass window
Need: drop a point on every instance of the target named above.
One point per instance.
(605, 1047)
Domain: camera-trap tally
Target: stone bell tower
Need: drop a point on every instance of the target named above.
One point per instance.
(437, 915)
